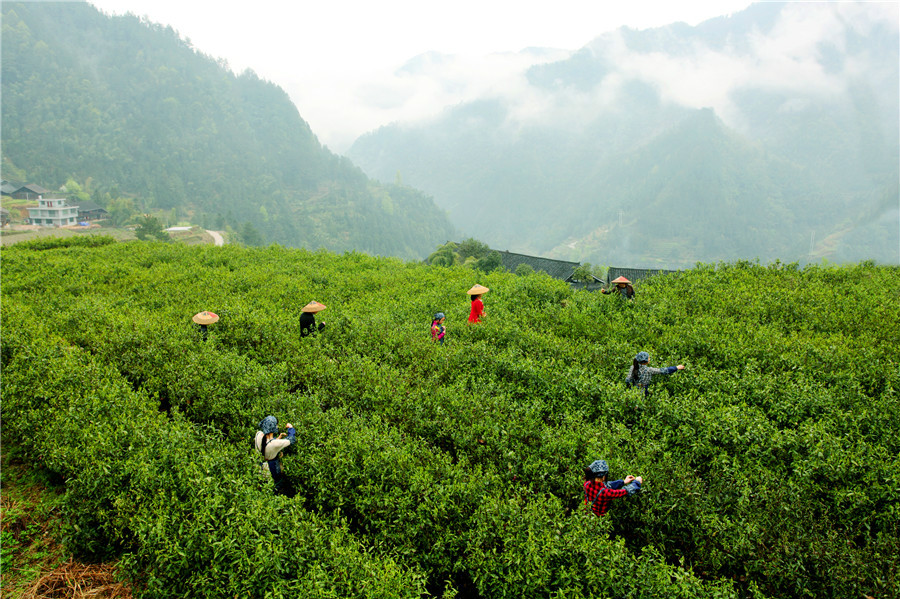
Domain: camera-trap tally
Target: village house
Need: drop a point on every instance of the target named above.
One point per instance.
(8, 188)
(88, 210)
(53, 212)
(29, 192)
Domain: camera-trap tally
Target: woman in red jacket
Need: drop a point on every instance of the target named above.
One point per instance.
(475, 294)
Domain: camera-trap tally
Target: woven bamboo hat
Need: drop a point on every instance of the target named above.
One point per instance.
(477, 290)
(620, 280)
(313, 307)
(205, 317)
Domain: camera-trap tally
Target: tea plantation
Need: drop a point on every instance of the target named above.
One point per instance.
(770, 463)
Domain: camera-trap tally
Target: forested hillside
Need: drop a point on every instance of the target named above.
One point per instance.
(770, 134)
(770, 462)
(128, 108)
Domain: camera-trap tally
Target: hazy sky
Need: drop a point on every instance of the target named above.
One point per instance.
(338, 59)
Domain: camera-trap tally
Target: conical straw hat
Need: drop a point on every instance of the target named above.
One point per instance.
(313, 307)
(620, 280)
(477, 290)
(205, 317)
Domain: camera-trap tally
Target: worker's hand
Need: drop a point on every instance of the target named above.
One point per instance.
(282, 435)
(680, 367)
(640, 479)
(628, 479)
(288, 425)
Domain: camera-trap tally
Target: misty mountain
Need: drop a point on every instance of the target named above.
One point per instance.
(129, 108)
(770, 134)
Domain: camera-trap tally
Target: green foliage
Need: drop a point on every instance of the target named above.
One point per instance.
(472, 248)
(585, 273)
(523, 270)
(49, 243)
(150, 227)
(489, 262)
(121, 210)
(471, 252)
(445, 255)
(769, 463)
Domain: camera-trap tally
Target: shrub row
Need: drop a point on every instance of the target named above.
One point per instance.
(771, 461)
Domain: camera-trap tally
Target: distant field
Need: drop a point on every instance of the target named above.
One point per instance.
(196, 236)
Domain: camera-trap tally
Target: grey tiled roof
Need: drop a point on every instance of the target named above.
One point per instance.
(88, 206)
(558, 269)
(33, 188)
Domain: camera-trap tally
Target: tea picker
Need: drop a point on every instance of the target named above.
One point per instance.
(438, 330)
(204, 318)
(308, 324)
(271, 448)
(599, 494)
(477, 310)
(640, 374)
(623, 288)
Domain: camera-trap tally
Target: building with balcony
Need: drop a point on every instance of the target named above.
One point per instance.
(53, 212)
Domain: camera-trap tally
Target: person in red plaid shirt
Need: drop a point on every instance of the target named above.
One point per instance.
(598, 494)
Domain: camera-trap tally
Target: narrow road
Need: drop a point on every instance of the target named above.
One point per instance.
(217, 237)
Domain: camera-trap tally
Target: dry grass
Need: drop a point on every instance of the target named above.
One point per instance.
(78, 581)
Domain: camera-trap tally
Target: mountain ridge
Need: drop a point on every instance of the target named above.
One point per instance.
(134, 108)
(814, 141)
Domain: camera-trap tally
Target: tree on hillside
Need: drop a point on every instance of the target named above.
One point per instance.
(523, 270)
(492, 261)
(585, 273)
(445, 255)
(74, 192)
(150, 227)
(471, 247)
(121, 211)
(251, 236)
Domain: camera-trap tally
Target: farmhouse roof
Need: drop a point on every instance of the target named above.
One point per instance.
(32, 188)
(9, 187)
(558, 269)
(88, 206)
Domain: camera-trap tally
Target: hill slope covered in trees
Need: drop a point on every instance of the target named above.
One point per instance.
(126, 107)
(770, 462)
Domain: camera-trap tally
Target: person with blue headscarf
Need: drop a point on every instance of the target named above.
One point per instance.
(270, 448)
(640, 374)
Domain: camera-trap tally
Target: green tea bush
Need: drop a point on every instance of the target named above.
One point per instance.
(424, 469)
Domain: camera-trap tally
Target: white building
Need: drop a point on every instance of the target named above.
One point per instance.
(53, 212)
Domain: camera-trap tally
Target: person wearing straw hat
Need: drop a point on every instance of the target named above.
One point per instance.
(271, 448)
(308, 324)
(204, 318)
(438, 330)
(599, 494)
(477, 310)
(640, 374)
(623, 288)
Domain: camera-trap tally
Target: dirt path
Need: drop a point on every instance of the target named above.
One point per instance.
(217, 237)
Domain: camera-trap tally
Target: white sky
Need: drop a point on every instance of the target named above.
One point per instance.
(337, 58)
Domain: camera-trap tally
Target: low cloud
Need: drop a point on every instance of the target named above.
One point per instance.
(786, 59)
